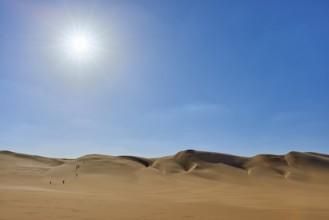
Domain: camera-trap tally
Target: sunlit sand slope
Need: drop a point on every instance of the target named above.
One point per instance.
(188, 185)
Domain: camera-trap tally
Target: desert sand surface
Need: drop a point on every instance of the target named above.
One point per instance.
(188, 185)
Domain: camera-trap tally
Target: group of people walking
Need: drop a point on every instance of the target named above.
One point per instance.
(76, 174)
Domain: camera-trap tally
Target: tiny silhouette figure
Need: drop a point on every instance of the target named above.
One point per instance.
(50, 182)
(76, 174)
(63, 181)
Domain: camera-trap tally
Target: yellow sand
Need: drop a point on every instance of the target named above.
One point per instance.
(188, 185)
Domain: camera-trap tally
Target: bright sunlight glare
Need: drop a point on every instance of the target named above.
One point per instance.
(80, 47)
(80, 44)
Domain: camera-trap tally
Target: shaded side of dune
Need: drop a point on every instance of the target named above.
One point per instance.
(36, 158)
(189, 158)
(308, 160)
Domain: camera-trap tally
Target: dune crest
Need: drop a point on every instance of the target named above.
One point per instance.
(188, 161)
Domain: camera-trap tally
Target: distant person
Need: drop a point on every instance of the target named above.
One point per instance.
(50, 182)
(63, 181)
(76, 175)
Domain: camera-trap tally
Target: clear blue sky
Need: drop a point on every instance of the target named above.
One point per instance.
(240, 77)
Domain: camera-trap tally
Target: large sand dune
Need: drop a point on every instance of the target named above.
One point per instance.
(188, 185)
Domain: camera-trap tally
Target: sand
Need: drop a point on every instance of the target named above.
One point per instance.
(188, 185)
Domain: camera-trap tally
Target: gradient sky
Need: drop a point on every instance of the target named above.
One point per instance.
(240, 77)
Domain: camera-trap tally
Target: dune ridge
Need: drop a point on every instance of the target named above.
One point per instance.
(187, 161)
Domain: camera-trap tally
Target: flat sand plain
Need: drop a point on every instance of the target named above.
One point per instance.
(188, 185)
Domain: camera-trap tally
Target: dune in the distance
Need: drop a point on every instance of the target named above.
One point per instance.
(188, 185)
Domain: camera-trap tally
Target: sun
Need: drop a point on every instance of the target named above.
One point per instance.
(80, 44)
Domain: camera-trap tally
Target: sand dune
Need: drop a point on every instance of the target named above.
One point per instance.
(188, 185)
